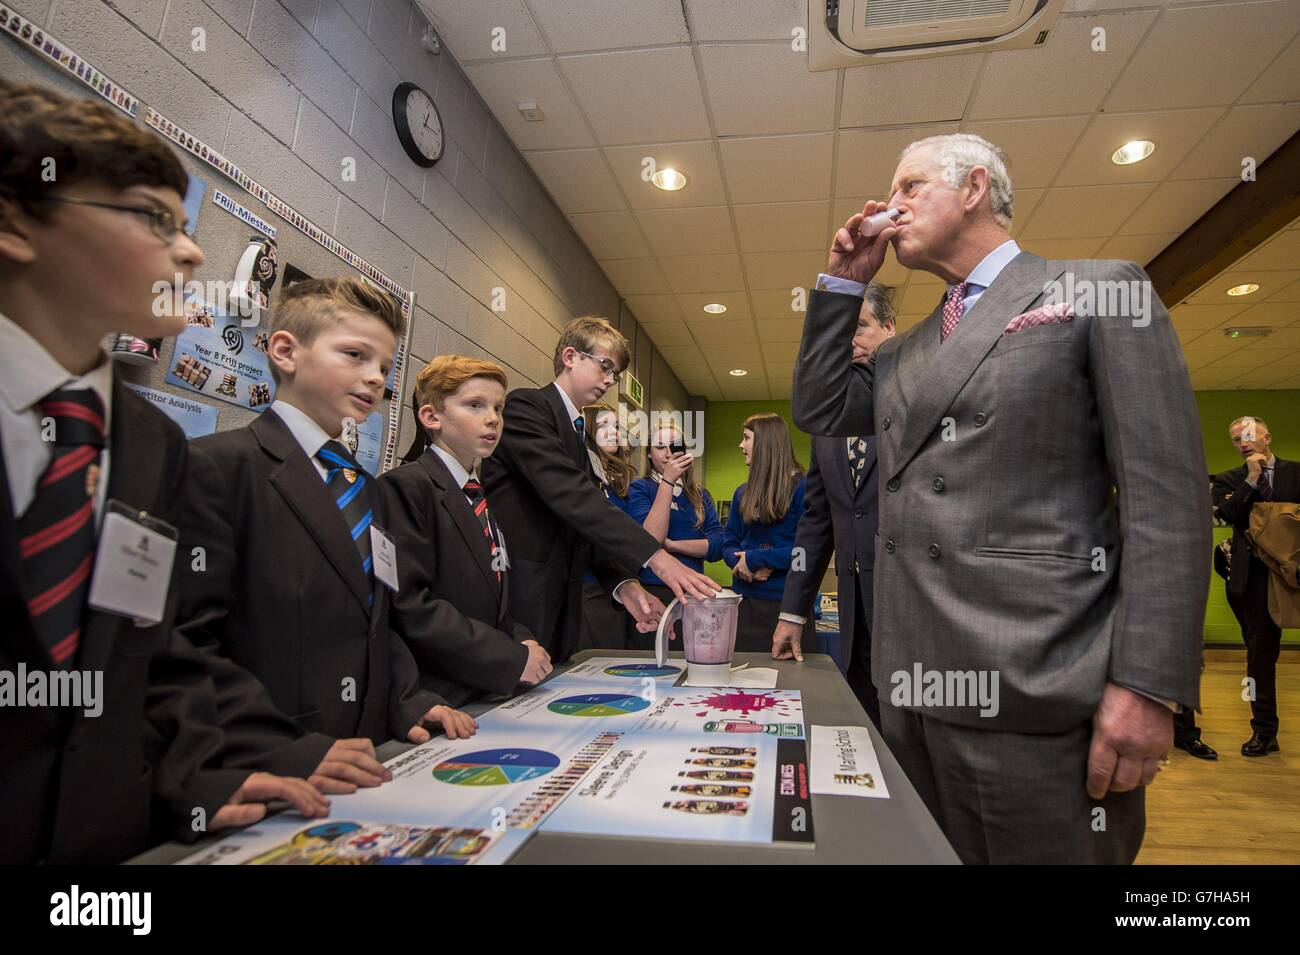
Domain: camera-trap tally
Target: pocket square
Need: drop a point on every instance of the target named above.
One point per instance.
(1059, 314)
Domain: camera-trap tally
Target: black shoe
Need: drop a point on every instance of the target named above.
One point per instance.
(1196, 748)
(1259, 745)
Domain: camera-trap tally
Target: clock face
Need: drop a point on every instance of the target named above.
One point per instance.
(419, 127)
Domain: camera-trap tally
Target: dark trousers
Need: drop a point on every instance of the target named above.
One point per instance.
(859, 662)
(1185, 729)
(758, 620)
(604, 623)
(1263, 640)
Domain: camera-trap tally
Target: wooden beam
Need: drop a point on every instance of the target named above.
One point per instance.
(1240, 222)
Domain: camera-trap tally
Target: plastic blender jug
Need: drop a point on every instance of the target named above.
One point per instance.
(708, 635)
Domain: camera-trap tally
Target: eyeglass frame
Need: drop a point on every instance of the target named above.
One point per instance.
(607, 366)
(158, 218)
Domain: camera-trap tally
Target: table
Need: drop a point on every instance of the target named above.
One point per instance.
(848, 829)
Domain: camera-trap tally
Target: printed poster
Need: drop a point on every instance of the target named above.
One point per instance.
(218, 357)
(195, 418)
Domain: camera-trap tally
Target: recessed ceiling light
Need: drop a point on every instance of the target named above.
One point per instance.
(1131, 152)
(738, 373)
(1244, 289)
(669, 179)
(715, 308)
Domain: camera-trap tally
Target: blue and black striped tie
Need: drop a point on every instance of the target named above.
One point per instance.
(347, 482)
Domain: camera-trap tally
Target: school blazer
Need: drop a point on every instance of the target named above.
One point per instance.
(97, 790)
(278, 588)
(451, 610)
(557, 523)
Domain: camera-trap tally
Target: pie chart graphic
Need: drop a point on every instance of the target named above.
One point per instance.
(598, 704)
(495, 767)
(633, 670)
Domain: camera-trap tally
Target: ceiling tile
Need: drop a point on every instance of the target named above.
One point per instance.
(1253, 356)
(866, 159)
(654, 308)
(1174, 132)
(697, 160)
(1244, 131)
(731, 356)
(704, 273)
(466, 26)
(577, 180)
(1136, 248)
(1070, 212)
(1230, 43)
(610, 235)
(760, 89)
(642, 96)
(1064, 248)
(505, 84)
(1034, 82)
(776, 304)
(668, 333)
(1202, 317)
(783, 226)
(1173, 206)
(723, 333)
(780, 351)
(746, 389)
(784, 270)
(1215, 291)
(920, 300)
(780, 330)
(778, 168)
(1281, 81)
(635, 276)
(746, 19)
(681, 355)
(1036, 147)
(690, 231)
(693, 306)
(908, 92)
(1280, 253)
(572, 25)
(1285, 293)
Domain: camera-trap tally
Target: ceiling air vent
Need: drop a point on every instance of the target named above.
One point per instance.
(858, 32)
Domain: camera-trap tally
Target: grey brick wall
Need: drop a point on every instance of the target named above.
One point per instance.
(289, 89)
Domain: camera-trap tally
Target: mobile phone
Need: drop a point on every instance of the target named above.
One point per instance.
(678, 447)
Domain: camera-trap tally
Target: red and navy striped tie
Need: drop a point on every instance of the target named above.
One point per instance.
(474, 491)
(57, 533)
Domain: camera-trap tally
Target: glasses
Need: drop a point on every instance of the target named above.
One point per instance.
(607, 367)
(161, 222)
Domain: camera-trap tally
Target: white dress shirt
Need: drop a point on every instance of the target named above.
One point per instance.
(310, 436)
(30, 374)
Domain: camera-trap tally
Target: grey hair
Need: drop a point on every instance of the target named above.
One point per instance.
(877, 297)
(958, 153)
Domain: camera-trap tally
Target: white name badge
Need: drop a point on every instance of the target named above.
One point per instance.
(133, 565)
(384, 557)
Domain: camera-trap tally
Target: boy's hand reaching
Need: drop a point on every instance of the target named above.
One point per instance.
(454, 723)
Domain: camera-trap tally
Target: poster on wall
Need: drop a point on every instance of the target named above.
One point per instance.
(195, 418)
(218, 357)
(370, 438)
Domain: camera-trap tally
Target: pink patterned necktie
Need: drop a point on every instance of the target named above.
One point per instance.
(952, 309)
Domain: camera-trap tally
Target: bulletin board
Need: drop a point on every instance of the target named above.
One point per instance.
(232, 209)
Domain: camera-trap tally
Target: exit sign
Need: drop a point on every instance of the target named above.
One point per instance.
(633, 390)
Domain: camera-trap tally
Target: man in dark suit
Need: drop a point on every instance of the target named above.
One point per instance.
(453, 608)
(840, 513)
(1004, 422)
(543, 490)
(1264, 477)
(134, 754)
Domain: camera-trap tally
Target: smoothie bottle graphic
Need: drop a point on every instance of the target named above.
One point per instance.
(726, 750)
(718, 775)
(784, 730)
(714, 789)
(709, 807)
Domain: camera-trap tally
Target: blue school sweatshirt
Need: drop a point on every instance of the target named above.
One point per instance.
(765, 545)
(681, 523)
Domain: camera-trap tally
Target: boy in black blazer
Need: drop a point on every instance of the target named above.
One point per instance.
(453, 606)
(86, 780)
(295, 584)
(558, 523)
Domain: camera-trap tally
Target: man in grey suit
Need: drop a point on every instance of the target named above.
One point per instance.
(1040, 565)
(839, 514)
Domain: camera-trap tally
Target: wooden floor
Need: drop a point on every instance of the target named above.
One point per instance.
(1234, 810)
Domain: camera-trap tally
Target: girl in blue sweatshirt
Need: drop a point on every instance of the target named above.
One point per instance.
(604, 624)
(680, 514)
(760, 531)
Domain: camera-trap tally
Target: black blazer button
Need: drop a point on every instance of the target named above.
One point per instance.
(885, 424)
(934, 551)
(858, 513)
(980, 419)
(889, 545)
(893, 484)
(938, 484)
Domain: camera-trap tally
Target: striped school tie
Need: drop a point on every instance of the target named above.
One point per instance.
(347, 482)
(478, 499)
(57, 533)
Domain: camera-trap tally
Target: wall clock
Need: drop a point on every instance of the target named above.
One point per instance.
(419, 127)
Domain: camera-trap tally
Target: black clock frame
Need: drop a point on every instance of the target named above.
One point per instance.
(400, 95)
